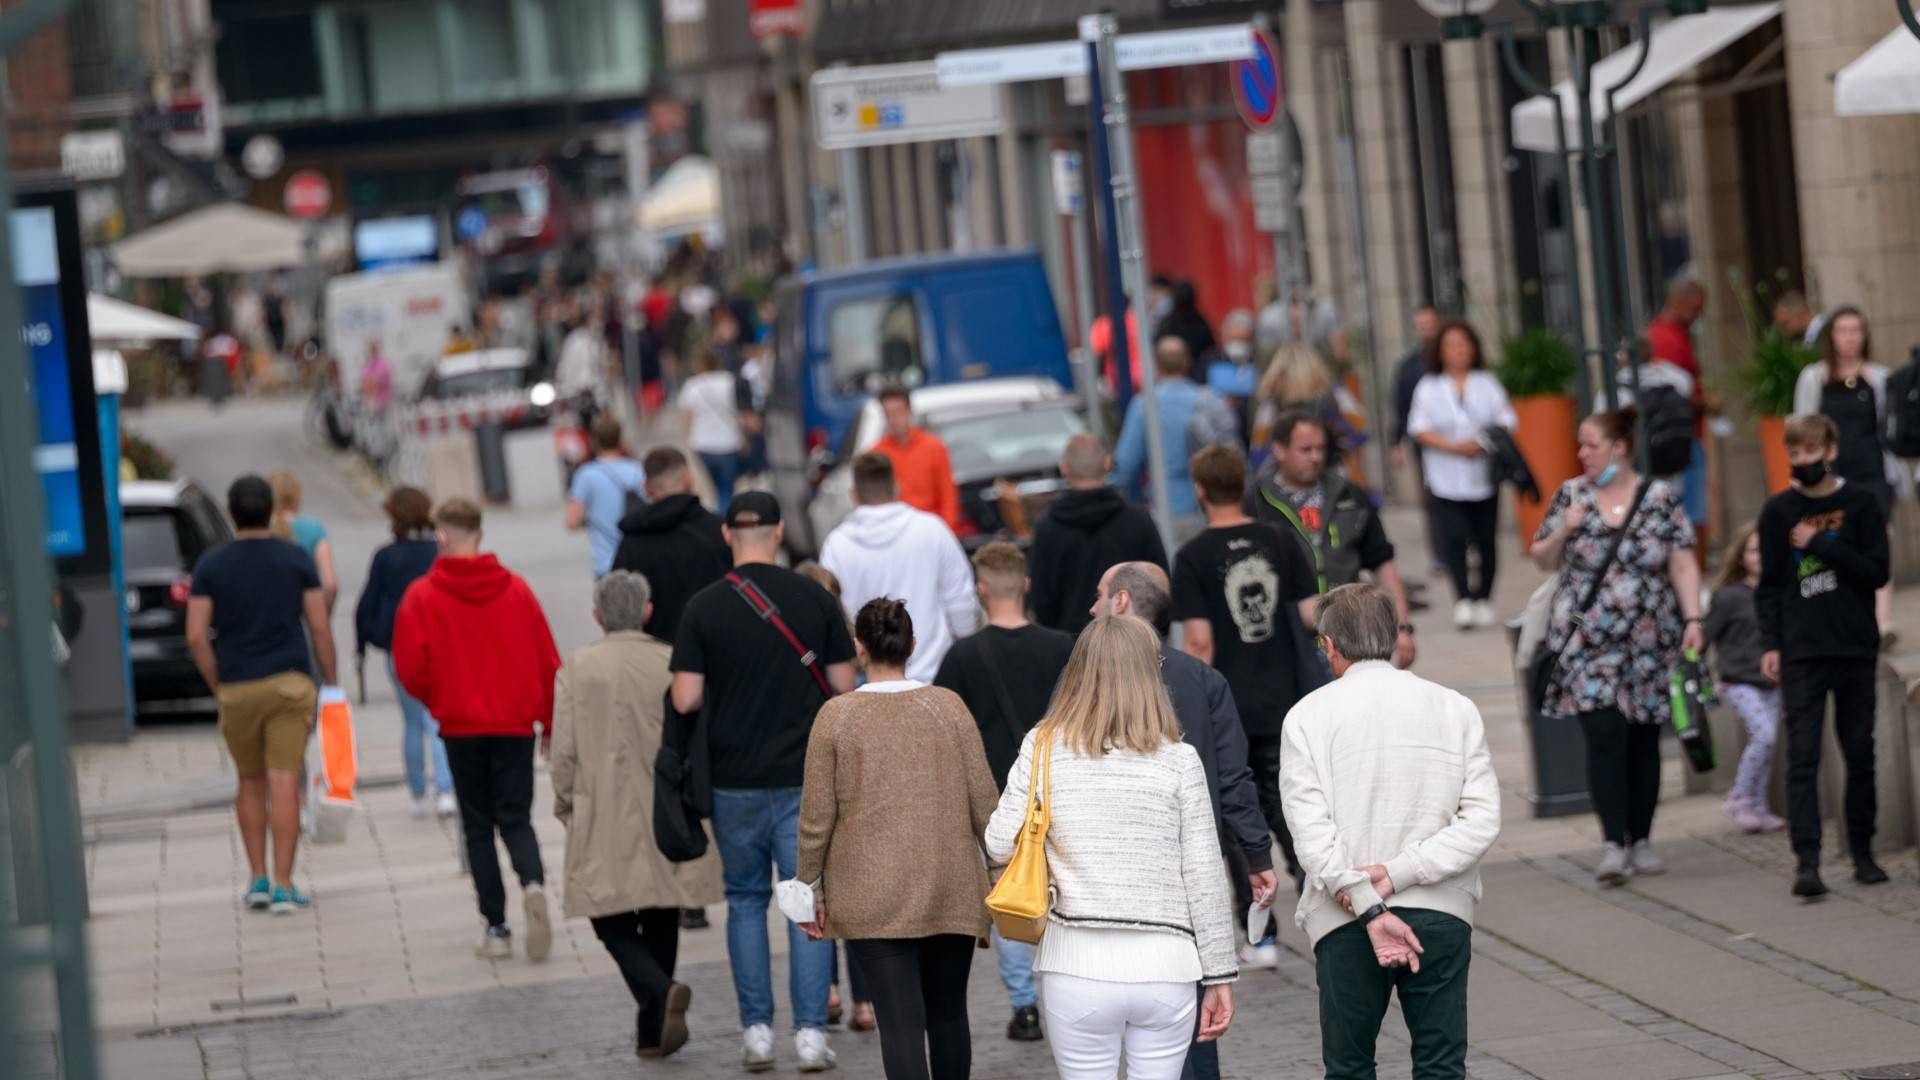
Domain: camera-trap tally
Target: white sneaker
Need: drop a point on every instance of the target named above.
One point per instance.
(1483, 615)
(1644, 861)
(1463, 614)
(1264, 955)
(1614, 868)
(756, 1052)
(495, 944)
(815, 1054)
(446, 805)
(539, 925)
(421, 806)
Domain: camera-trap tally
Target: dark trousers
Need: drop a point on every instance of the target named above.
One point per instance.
(855, 981)
(1804, 685)
(1354, 992)
(1623, 774)
(1436, 540)
(1469, 525)
(493, 779)
(1263, 756)
(920, 998)
(1203, 1058)
(645, 945)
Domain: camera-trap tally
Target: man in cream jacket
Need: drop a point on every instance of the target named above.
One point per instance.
(1389, 789)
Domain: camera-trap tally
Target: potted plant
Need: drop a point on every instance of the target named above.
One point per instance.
(1777, 360)
(1538, 367)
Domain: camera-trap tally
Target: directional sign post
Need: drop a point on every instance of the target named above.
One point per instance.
(897, 103)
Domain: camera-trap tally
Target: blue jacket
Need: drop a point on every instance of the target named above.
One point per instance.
(394, 568)
(1177, 398)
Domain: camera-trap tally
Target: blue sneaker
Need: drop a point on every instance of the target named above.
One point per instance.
(287, 900)
(259, 894)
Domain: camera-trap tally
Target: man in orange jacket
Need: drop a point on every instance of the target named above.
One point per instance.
(922, 475)
(471, 642)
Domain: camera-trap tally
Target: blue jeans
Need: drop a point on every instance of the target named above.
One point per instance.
(418, 733)
(756, 828)
(724, 469)
(1016, 970)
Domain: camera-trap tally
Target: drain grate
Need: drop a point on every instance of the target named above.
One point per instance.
(1906, 1071)
(237, 1004)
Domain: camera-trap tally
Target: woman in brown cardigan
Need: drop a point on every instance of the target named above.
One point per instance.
(890, 839)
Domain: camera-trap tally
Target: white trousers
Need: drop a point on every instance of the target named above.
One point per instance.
(1091, 1025)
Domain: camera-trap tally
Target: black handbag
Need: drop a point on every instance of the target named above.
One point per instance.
(1546, 664)
(677, 787)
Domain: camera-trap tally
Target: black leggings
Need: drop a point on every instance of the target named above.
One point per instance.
(1623, 774)
(1466, 525)
(645, 944)
(920, 998)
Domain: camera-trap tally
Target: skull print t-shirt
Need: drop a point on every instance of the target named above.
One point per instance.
(1245, 580)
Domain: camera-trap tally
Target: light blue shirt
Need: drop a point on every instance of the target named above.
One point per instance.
(601, 487)
(307, 532)
(1177, 398)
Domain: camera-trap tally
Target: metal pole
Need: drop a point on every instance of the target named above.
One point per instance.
(1083, 317)
(853, 204)
(1130, 238)
(1119, 344)
(1599, 218)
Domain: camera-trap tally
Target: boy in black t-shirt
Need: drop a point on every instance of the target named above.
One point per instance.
(1823, 552)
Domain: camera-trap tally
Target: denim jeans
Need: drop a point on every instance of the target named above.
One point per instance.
(724, 469)
(1016, 970)
(755, 829)
(418, 733)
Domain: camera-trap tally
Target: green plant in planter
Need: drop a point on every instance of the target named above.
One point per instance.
(1537, 362)
(1777, 360)
(149, 461)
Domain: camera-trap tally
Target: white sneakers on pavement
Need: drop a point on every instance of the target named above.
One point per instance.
(811, 1045)
(1614, 866)
(421, 806)
(446, 806)
(756, 1048)
(1643, 861)
(539, 922)
(496, 943)
(1483, 615)
(1265, 954)
(1463, 614)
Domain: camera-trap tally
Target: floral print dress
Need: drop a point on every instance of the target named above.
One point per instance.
(1623, 655)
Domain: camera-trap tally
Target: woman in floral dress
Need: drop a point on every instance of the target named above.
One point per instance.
(1617, 658)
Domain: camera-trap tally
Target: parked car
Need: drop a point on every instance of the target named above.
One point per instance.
(500, 379)
(1004, 438)
(925, 321)
(165, 528)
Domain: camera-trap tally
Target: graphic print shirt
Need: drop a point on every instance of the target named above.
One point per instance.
(1816, 603)
(1245, 579)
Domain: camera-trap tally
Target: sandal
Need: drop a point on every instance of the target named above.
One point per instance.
(833, 1005)
(863, 1018)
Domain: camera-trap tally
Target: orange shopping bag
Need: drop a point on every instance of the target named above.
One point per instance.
(333, 767)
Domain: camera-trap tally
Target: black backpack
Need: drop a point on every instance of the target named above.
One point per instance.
(1902, 427)
(1668, 429)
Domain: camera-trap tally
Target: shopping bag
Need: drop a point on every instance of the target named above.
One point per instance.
(1691, 693)
(333, 768)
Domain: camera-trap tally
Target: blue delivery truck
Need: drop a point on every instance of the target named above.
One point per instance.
(920, 321)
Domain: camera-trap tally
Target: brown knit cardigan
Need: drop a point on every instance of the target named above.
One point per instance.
(897, 797)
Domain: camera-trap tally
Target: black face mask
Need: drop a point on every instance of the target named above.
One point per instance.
(1809, 473)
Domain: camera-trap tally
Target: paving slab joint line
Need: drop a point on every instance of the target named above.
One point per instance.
(1838, 884)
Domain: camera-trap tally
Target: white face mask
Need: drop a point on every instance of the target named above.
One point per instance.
(1239, 351)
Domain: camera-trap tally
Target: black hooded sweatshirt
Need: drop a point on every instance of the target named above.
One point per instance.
(676, 543)
(1080, 537)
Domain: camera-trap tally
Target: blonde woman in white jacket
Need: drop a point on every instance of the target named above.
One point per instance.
(1140, 909)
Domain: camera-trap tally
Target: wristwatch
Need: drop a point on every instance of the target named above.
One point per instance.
(1406, 628)
(1372, 913)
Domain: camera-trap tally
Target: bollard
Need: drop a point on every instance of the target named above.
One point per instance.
(490, 447)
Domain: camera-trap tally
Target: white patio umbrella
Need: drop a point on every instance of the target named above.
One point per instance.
(120, 323)
(228, 237)
(685, 199)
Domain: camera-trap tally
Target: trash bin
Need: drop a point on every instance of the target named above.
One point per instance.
(490, 445)
(1555, 745)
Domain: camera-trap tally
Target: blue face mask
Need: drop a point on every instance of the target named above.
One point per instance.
(1607, 474)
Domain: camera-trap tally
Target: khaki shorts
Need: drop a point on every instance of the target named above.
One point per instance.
(266, 721)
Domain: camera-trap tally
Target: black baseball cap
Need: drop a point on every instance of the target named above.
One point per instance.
(753, 508)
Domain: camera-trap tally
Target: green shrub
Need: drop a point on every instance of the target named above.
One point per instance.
(1777, 360)
(1537, 362)
(149, 461)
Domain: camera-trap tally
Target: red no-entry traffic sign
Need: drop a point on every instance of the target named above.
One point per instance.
(1258, 90)
(308, 194)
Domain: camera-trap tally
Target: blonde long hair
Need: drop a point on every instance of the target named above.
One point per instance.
(286, 501)
(1111, 696)
(1295, 376)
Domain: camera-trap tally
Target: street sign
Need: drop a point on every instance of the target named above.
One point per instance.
(92, 155)
(1212, 9)
(776, 18)
(1068, 193)
(1059, 60)
(1263, 153)
(1258, 90)
(1271, 203)
(308, 194)
(897, 103)
(262, 156)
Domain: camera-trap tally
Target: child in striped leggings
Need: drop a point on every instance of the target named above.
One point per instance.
(1733, 633)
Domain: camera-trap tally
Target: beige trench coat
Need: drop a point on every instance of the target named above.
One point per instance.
(608, 711)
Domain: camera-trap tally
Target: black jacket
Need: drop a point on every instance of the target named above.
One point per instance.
(1413, 368)
(676, 543)
(1082, 535)
(1204, 705)
(394, 568)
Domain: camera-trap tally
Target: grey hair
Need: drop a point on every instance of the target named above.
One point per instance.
(1150, 599)
(1239, 319)
(1360, 620)
(620, 600)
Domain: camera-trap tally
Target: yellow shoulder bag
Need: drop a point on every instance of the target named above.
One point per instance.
(1019, 900)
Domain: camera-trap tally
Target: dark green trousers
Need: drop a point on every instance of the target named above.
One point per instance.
(1354, 992)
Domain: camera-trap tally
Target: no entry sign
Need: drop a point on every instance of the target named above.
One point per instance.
(308, 194)
(1257, 89)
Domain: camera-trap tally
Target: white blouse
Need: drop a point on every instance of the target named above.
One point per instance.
(1442, 409)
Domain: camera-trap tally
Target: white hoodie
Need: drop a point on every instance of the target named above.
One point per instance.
(896, 551)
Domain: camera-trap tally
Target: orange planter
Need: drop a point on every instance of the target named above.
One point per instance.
(1773, 451)
(1547, 438)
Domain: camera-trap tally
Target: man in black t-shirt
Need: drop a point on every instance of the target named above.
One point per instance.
(1823, 552)
(1006, 674)
(254, 603)
(1242, 592)
(757, 693)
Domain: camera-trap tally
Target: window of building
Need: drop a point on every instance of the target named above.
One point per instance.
(267, 58)
(485, 67)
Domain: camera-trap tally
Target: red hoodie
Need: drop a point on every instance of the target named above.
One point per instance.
(471, 643)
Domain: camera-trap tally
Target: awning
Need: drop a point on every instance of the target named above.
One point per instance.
(685, 199)
(224, 238)
(121, 323)
(1884, 81)
(1675, 48)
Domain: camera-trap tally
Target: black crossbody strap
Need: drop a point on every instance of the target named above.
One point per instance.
(770, 614)
(1592, 591)
(1007, 711)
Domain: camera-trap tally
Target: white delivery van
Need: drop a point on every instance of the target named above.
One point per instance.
(408, 313)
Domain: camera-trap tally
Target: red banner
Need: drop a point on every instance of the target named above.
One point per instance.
(776, 18)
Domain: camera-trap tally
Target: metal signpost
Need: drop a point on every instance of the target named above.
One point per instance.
(1069, 199)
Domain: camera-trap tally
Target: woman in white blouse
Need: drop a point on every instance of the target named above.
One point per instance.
(1140, 910)
(1453, 407)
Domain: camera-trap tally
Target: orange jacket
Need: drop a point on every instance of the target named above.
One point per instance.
(922, 474)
